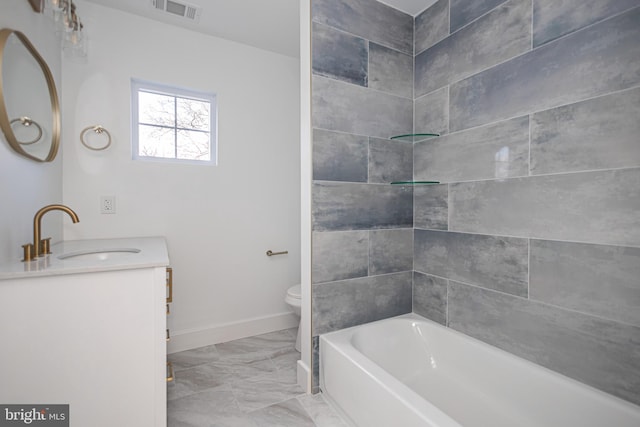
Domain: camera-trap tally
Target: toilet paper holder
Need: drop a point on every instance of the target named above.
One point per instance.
(271, 253)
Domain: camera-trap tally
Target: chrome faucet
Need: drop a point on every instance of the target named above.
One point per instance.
(40, 246)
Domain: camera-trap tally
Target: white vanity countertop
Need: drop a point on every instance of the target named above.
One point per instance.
(153, 253)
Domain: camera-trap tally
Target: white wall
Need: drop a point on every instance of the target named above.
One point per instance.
(218, 221)
(25, 185)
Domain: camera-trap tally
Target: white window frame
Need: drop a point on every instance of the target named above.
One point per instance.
(138, 85)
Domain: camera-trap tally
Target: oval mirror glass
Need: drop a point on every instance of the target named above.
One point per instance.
(29, 107)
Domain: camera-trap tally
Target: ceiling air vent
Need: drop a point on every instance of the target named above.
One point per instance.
(178, 8)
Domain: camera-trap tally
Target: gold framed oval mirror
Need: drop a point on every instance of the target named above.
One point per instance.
(29, 106)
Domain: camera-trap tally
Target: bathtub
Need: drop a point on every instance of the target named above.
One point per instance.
(409, 371)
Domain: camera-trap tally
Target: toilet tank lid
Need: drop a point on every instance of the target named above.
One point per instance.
(295, 291)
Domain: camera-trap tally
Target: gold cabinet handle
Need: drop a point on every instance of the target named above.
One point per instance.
(170, 284)
(168, 335)
(170, 376)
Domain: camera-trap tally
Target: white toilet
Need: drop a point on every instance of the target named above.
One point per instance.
(293, 298)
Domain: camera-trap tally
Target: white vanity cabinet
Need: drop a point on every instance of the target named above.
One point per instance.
(93, 337)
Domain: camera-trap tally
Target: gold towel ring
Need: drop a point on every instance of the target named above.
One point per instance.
(26, 121)
(99, 130)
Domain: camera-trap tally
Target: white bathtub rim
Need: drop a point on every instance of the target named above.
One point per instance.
(343, 336)
(390, 384)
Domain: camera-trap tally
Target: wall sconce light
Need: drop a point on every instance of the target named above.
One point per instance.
(67, 24)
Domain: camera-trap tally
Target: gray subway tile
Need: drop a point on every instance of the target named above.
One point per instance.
(431, 26)
(596, 279)
(595, 207)
(342, 304)
(493, 262)
(594, 61)
(339, 55)
(346, 206)
(500, 150)
(340, 156)
(340, 255)
(390, 251)
(599, 133)
(431, 112)
(390, 160)
(368, 19)
(431, 206)
(390, 71)
(595, 351)
(353, 109)
(555, 18)
(465, 11)
(498, 36)
(430, 297)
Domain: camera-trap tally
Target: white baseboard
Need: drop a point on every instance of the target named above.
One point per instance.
(304, 376)
(194, 338)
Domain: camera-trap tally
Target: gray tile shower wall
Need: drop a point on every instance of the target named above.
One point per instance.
(346, 303)
(493, 262)
(532, 242)
(340, 156)
(555, 18)
(368, 19)
(355, 206)
(362, 94)
(500, 35)
(596, 207)
(389, 161)
(339, 55)
(596, 351)
(498, 150)
(431, 26)
(431, 207)
(390, 71)
(329, 249)
(600, 280)
(587, 135)
(390, 251)
(354, 109)
(464, 11)
(431, 112)
(340, 255)
(430, 297)
(594, 61)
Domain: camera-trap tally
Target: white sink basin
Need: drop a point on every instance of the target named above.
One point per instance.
(100, 254)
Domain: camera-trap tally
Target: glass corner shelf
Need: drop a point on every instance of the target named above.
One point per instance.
(414, 137)
(415, 182)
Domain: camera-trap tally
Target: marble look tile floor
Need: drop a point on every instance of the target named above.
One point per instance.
(250, 382)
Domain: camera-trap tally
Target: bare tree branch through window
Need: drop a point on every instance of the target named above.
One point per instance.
(171, 126)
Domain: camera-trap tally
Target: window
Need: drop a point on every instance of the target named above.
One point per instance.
(173, 124)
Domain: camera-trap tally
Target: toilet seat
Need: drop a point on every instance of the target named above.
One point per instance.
(295, 292)
(294, 297)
